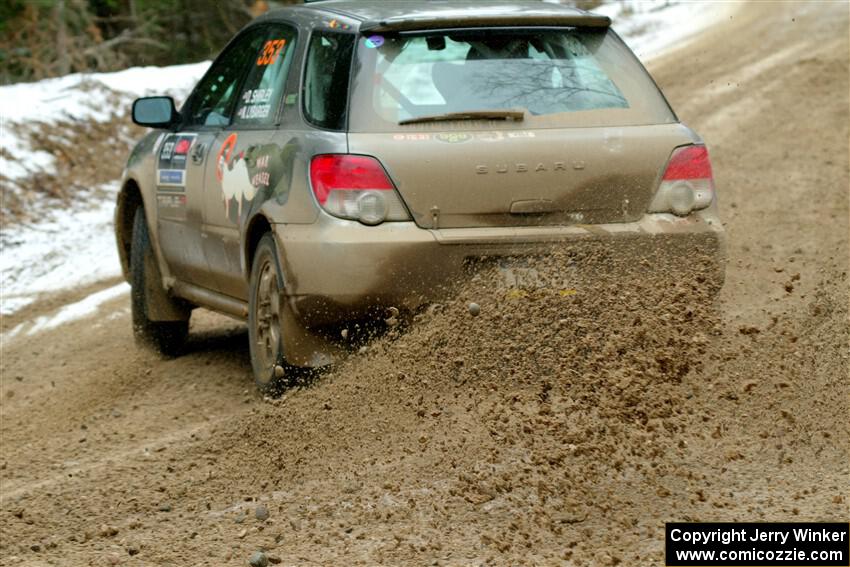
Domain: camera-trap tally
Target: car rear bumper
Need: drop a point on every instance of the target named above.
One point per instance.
(338, 270)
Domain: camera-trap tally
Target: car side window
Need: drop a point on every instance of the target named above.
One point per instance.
(262, 93)
(326, 77)
(212, 101)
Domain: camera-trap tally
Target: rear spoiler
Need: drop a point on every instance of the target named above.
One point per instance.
(474, 18)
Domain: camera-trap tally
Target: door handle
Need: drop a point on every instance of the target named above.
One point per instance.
(198, 153)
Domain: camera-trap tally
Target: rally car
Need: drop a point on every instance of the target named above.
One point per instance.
(343, 158)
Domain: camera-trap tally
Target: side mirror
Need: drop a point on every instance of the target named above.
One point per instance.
(155, 112)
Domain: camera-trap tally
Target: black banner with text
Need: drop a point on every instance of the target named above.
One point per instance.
(763, 544)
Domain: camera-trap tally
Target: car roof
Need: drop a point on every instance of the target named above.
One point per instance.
(389, 15)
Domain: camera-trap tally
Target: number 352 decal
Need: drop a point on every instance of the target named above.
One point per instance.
(271, 50)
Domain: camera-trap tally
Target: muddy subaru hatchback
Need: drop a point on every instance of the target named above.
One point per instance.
(345, 160)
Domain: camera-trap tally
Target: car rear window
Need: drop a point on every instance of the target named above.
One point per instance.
(558, 77)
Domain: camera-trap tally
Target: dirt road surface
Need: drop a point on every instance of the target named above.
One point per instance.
(548, 430)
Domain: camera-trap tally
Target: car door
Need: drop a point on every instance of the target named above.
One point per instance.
(184, 154)
(247, 158)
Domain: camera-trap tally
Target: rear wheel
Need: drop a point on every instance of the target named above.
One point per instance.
(166, 337)
(264, 319)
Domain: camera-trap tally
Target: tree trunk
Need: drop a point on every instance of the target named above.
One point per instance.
(63, 62)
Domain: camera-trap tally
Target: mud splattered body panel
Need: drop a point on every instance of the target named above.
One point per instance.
(179, 196)
(520, 177)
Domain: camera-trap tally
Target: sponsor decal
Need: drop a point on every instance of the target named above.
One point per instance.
(270, 52)
(261, 178)
(521, 134)
(167, 150)
(453, 137)
(182, 147)
(374, 41)
(336, 24)
(411, 137)
(246, 175)
(233, 175)
(460, 137)
(171, 162)
(171, 201)
(490, 136)
(171, 178)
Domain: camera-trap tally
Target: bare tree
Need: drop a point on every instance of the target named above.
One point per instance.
(56, 37)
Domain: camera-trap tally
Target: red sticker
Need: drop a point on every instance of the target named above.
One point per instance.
(226, 152)
(182, 147)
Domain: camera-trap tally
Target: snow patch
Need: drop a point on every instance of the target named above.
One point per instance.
(654, 27)
(81, 96)
(75, 247)
(71, 312)
(88, 306)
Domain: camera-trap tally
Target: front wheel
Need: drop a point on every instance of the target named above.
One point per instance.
(264, 318)
(166, 337)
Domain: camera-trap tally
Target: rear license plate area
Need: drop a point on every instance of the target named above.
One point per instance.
(537, 274)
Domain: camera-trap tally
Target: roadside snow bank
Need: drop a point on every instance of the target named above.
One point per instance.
(82, 96)
(76, 247)
(70, 245)
(654, 27)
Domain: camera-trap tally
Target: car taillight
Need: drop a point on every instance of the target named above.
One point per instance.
(355, 187)
(687, 184)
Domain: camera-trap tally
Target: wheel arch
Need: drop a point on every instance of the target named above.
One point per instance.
(129, 199)
(258, 226)
(302, 346)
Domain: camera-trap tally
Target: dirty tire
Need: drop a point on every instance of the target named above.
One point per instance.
(166, 337)
(264, 320)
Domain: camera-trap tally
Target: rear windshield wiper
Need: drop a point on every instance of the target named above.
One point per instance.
(468, 115)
